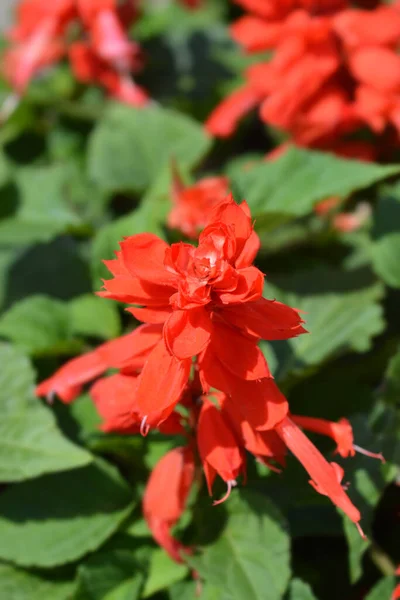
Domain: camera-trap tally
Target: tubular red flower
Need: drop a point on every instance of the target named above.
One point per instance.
(324, 476)
(165, 497)
(129, 351)
(218, 448)
(192, 204)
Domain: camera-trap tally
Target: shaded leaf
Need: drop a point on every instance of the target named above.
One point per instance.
(104, 574)
(382, 590)
(43, 211)
(68, 515)
(17, 584)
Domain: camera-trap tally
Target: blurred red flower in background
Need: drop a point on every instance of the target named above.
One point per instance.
(334, 69)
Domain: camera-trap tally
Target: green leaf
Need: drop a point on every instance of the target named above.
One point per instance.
(293, 184)
(30, 442)
(130, 147)
(300, 590)
(385, 255)
(392, 379)
(104, 574)
(68, 515)
(43, 212)
(163, 573)
(335, 321)
(17, 584)
(93, 316)
(251, 558)
(382, 590)
(38, 325)
(368, 479)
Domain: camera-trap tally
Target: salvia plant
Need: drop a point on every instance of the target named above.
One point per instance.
(199, 291)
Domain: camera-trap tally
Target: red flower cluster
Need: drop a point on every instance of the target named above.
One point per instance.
(335, 68)
(92, 33)
(204, 315)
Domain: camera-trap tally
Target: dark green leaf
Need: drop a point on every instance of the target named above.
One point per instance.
(43, 212)
(385, 255)
(382, 590)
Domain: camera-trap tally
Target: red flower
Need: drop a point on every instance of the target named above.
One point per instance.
(341, 433)
(113, 396)
(127, 352)
(193, 204)
(37, 39)
(211, 299)
(333, 70)
(165, 497)
(325, 477)
(218, 448)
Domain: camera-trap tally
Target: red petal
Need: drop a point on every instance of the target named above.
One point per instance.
(161, 532)
(249, 288)
(320, 471)
(225, 118)
(239, 354)
(254, 34)
(236, 217)
(249, 252)
(217, 444)
(143, 255)
(161, 384)
(151, 315)
(187, 332)
(133, 291)
(378, 67)
(266, 319)
(169, 485)
(68, 380)
(123, 351)
(113, 397)
(262, 403)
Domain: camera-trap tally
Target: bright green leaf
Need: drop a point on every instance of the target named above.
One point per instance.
(163, 573)
(37, 324)
(251, 558)
(93, 316)
(335, 321)
(130, 147)
(300, 590)
(385, 255)
(68, 515)
(30, 442)
(294, 183)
